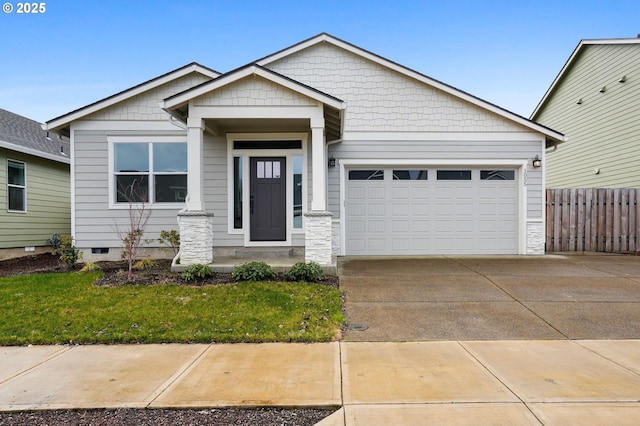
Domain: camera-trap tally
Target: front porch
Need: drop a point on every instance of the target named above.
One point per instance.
(274, 145)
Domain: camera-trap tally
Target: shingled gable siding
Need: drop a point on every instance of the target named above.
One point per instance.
(145, 106)
(48, 202)
(603, 132)
(380, 99)
(255, 91)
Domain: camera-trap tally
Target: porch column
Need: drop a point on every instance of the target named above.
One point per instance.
(319, 169)
(195, 128)
(195, 224)
(318, 220)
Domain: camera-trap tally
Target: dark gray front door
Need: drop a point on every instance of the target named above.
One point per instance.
(268, 200)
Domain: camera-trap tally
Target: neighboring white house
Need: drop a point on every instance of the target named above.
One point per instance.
(322, 146)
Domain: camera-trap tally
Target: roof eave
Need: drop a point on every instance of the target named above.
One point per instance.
(34, 152)
(66, 119)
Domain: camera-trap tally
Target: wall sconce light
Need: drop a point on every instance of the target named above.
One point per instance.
(537, 162)
(332, 162)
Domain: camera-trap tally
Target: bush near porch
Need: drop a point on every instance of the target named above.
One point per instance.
(67, 308)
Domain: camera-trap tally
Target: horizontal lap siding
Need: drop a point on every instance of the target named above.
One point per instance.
(96, 223)
(441, 150)
(603, 132)
(48, 202)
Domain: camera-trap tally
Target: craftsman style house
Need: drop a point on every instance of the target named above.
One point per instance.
(322, 147)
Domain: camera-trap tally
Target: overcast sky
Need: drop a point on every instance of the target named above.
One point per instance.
(506, 52)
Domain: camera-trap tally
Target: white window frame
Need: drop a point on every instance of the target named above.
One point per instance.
(246, 154)
(23, 187)
(112, 140)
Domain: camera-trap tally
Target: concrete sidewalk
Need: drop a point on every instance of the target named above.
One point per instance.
(447, 382)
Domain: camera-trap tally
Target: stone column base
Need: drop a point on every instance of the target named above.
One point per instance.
(196, 237)
(317, 237)
(535, 238)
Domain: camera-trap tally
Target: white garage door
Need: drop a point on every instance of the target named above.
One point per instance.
(412, 211)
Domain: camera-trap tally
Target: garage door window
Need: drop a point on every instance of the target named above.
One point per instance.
(366, 174)
(497, 175)
(409, 175)
(454, 174)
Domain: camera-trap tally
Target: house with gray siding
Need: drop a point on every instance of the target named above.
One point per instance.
(34, 186)
(595, 102)
(322, 147)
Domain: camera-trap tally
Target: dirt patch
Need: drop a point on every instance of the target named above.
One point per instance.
(26, 265)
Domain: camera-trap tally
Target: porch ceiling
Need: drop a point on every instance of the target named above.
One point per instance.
(332, 122)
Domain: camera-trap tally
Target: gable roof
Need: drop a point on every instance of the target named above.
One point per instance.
(569, 64)
(65, 119)
(327, 38)
(24, 135)
(245, 71)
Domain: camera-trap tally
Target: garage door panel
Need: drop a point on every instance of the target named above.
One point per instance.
(412, 217)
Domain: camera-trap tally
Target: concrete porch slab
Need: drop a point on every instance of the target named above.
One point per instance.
(268, 374)
(98, 376)
(403, 373)
(556, 371)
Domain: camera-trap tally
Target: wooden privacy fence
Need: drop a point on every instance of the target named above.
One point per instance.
(593, 219)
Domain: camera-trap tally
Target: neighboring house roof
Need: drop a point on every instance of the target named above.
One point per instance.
(569, 64)
(65, 119)
(327, 38)
(24, 135)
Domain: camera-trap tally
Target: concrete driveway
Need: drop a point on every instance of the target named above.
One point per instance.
(492, 298)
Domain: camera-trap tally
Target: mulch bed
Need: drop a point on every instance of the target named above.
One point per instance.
(115, 273)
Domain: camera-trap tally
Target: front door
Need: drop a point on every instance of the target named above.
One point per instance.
(267, 199)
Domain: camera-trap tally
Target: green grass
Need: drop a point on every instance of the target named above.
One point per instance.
(69, 308)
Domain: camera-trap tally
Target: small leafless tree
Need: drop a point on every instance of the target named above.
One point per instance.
(139, 213)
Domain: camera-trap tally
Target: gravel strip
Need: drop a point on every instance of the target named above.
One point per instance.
(162, 417)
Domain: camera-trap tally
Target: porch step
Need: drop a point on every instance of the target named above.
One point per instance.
(265, 252)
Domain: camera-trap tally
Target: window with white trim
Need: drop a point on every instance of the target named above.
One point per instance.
(16, 186)
(151, 172)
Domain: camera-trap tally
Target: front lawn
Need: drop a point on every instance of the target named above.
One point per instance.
(68, 308)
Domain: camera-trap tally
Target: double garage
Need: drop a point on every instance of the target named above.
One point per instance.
(431, 210)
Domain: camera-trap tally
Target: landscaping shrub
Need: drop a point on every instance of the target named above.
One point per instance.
(63, 247)
(195, 272)
(253, 271)
(90, 266)
(309, 272)
(171, 239)
(143, 264)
